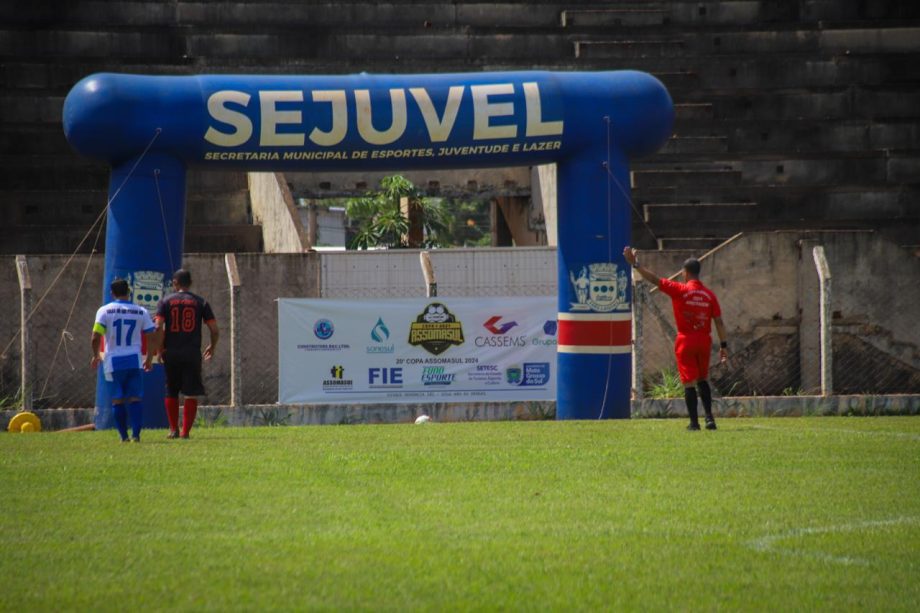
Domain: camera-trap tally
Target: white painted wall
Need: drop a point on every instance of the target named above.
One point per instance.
(460, 272)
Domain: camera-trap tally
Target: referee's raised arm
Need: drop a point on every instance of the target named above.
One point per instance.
(629, 254)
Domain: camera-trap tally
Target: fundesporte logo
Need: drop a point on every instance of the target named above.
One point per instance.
(436, 375)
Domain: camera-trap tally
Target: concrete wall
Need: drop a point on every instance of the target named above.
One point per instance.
(761, 281)
(766, 289)
(459, 272)
(9, 324)
(544, 190)
(300, 415)
(273, 207)
(477, 183)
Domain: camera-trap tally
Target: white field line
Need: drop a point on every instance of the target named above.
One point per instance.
(906, 435)
(770, 543)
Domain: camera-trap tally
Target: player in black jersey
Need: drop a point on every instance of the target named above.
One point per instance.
(179, 318)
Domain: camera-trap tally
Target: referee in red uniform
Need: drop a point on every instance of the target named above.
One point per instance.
(695, 306)
(179, 317)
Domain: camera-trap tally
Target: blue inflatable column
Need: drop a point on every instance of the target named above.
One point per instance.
(595, 336)
(144, 236)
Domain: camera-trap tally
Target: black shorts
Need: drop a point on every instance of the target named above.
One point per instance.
(183, 374)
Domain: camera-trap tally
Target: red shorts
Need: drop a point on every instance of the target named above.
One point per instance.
(692, 357)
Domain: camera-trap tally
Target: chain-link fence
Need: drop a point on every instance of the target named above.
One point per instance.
(775, 305)
(768, 286)
(59, 313)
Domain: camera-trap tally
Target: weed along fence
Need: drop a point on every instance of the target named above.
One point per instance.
(773, 311)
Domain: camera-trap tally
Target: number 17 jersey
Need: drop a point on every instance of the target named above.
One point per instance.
(122, 323)
(182, 314)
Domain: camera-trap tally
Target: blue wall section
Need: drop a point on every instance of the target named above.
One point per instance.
(588, 123)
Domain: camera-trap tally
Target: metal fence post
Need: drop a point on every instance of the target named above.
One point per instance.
(236, 362)
(824, 278)
(639, 298)
(25, 344)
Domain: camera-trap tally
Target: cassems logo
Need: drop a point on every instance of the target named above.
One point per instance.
(436, 329)
(494, 327)
(323, 329)
(499, 334)
(337, 381)
(380, 334)
(435, 375)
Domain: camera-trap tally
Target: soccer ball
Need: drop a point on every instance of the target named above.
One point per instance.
(422, 419)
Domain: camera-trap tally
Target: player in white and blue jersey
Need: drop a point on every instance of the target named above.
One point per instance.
(122, 323)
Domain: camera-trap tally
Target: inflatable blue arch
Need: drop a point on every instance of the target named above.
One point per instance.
(152, 128)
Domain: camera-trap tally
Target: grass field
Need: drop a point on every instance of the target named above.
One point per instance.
(774, 514)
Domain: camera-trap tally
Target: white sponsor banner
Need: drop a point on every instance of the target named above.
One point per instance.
(416, 350)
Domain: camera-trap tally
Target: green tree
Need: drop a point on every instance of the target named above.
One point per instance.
(381, 223)
(469, 223)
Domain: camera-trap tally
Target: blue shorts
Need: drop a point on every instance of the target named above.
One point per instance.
(124, 384)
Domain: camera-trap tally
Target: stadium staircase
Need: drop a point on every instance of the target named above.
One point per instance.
(789, 114)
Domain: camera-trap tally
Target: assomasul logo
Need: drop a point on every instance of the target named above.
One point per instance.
(436, 329)
(337, 380)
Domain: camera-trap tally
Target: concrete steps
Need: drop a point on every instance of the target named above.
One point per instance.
(693, 146)
(59, 238)
(771, 139)
(224, 238)
(868, 168)
(396, 13)
(184, 44)
(33, 207)
(218, 207)
(630, 49)
(796, 201)
(816, 104)
(30, 171)
(681, 212)
(696, 244)
(652, 178)
(692, 111)
(638, 15)
(808, 108)
(46, 238)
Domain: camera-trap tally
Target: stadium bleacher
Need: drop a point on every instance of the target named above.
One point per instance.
(789, 114)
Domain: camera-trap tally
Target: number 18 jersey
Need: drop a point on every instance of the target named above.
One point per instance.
(121, 323)
(182, 314)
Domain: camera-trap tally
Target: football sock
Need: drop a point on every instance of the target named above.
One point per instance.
(690, 397)
(120, 411)
(706, 397)
(189, 409)
(136, 413)
(172, 413)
